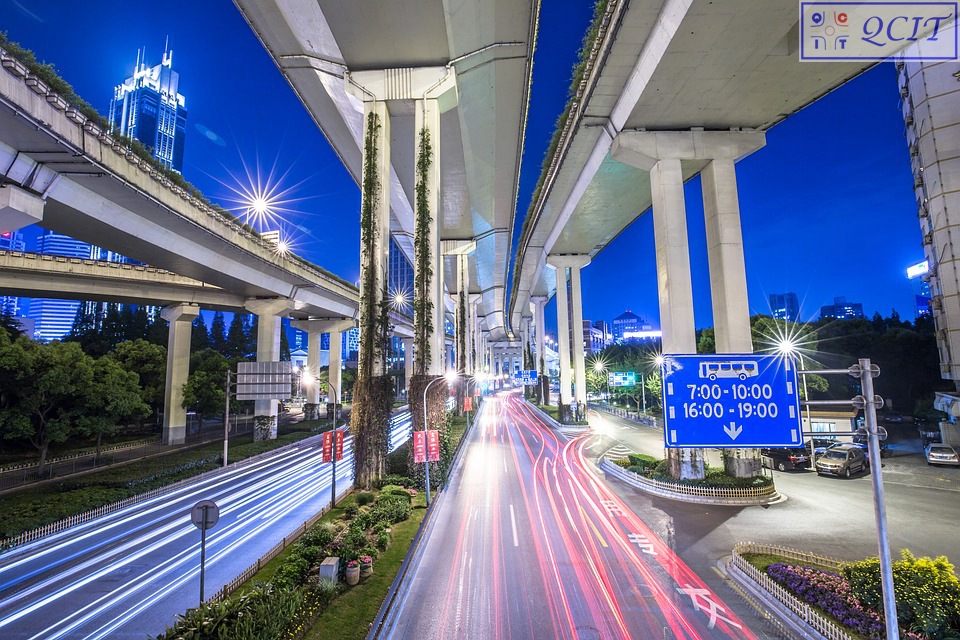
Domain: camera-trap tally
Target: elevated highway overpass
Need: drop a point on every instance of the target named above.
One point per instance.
(461, 69)
(671, 89)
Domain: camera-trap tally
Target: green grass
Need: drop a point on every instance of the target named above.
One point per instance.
(762, 560)
(554, 412)
(42, 505)
(349, 616)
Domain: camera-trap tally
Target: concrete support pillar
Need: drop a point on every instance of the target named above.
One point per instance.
(537, 304)
(180, 317)
(476, 355)
(674, 284)
(579, 366)
(335, 372)
(311, 386)
(268, 312)
(427, 118)
(18, 208)
(335, 328)
(376, 266)
(728, 278)
(407, 363)
(563, 336)
(728, 283)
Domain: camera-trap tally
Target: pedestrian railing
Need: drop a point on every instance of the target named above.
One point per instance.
(662, 486)
(33, 464)
(820, 623)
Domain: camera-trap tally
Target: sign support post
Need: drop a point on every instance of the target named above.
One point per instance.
(204, 515)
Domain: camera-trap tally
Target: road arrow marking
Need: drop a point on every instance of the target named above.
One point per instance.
(641, 541)
(701, 601)
(733, 430)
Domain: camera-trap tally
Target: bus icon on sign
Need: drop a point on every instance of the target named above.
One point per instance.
(734, 369)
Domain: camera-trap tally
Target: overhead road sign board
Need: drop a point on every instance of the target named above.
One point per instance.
(622, 378)
(527, 377)
(264, 380)
(729, 400)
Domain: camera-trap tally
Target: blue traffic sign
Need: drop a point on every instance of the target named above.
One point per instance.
(728, 400)
(526, 377)
(622, 378)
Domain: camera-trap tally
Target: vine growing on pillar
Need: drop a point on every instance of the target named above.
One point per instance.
(372, 390)
(422, 300)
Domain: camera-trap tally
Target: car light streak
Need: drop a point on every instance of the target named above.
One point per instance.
(73, 584)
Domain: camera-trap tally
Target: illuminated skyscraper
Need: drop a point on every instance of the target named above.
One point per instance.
(54, 318)
(10, 241)
(149, 107)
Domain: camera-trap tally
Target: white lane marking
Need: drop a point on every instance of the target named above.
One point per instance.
(505, 465)
(513, 523)
(641, 541)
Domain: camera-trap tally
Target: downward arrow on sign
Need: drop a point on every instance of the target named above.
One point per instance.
(733, 430)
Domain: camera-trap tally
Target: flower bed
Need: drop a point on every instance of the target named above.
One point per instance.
(831, 594)
(360, 533)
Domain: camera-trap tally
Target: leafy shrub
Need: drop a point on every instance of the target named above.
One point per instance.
(364, 520)
(622, 463)
(393, 479)
(355, 539)
(292, 572)
(392, 509)
(326, 590)
(397, 466)
(927, 590)
(267, 615)
(383, 540)
(351, 510)
(364, 498)
(320, 535)
(643, 461)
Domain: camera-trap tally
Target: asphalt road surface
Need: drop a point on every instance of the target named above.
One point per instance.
(129, 573)
(529, 542)
(827, 515)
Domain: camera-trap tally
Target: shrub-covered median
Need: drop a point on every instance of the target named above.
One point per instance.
(716, 477)
(287, 600)
(927, 594)
(36, 507)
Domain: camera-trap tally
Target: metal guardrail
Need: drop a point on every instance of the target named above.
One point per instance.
(82, 454)
(820, 623)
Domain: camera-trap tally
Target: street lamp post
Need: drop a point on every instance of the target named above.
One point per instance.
(333, 456)
(450, 377)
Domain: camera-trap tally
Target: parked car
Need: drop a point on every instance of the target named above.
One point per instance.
(893, 418)
(842, 460)
(942, 454)
(929, 434)
(785, 459)
(861, 441)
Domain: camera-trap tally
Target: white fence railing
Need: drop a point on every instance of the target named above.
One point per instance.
(764, 491)
(820, 623)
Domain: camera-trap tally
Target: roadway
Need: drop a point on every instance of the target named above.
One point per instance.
(832, 516)
(528, 542)
(131, 572)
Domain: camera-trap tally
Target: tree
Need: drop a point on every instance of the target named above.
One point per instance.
(158, 331)
(284, 345)
(50, 388)
(113, 397)
(10, 325)
(139, 323)
(250, 336)
(236, 338)
(218, 334)
(199, 338)
(149, 362)
(204, 389)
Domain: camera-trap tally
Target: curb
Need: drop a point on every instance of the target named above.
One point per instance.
(648, 487)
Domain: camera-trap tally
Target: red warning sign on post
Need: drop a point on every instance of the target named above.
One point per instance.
(468, 404)
(477, 391)
(433, 445)
(419, 447)
(327, 446)
(339, 446)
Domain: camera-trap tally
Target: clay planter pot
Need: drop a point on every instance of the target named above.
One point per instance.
(366, 570)
(353, 575)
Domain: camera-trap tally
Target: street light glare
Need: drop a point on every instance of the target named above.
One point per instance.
(451, 377)
(659, 359)
(787, 346)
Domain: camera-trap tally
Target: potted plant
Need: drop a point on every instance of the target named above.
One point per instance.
(366, 566)
(353, 572)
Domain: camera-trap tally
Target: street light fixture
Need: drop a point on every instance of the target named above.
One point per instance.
(451, 378)
(787, 347)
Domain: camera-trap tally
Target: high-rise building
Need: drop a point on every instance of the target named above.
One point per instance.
(400, 273)
(605, 330)
(785, 306)
(10, 241)
(841, 309)
(54, 318)
(931, 112)
(150, 108)
(629, 326)
(592, 339)
(920, 273)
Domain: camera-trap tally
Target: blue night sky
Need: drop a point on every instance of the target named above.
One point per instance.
(833, 183)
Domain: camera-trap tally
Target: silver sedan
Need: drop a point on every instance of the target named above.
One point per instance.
(942, 454)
